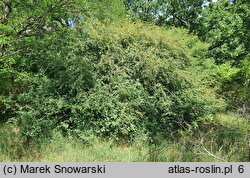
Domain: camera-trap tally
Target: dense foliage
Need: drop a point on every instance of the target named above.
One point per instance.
(224, 24)
(114, 80)
(82, 68)
(179, 13)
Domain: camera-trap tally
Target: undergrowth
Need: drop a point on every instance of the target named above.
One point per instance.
(221, 138)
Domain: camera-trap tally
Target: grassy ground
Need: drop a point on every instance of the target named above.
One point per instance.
(219, 138)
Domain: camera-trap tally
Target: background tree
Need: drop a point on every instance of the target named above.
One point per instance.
(225, 26)
(24, 26)
(178, 13)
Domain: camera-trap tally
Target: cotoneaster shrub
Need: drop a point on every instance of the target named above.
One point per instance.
(114, 81)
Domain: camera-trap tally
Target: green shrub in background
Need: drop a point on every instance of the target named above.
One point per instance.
(235, 83)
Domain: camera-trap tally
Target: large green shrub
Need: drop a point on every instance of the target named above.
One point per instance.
(115, 81)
